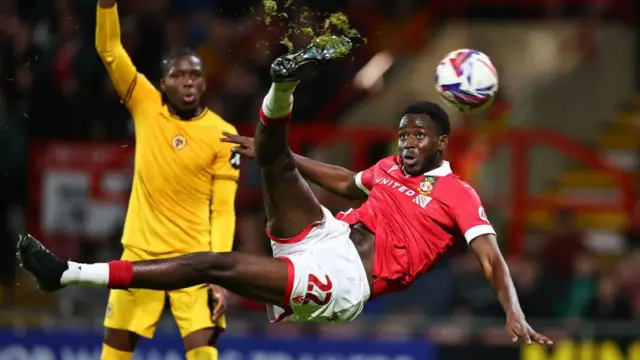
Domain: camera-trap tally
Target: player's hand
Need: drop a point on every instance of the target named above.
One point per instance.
(220, 298)
(245, 144)
(518, 329)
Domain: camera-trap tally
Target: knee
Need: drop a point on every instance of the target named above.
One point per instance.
(280, 168)
(276, 159)
(202, 338)
(120, 340)
(288, 164)
(210, 265)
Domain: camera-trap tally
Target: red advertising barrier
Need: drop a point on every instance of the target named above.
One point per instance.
(79, 191)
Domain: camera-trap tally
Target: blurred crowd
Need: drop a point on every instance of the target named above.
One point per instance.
(53, 86)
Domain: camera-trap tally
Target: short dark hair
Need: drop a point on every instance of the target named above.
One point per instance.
(165, 65)
(435, 112)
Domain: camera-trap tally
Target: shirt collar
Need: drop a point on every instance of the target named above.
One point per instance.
(443, 170)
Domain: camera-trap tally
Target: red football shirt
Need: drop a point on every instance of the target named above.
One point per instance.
(415, 219)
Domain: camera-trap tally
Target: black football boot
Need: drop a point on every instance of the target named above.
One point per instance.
(41, 263)
(291, 67)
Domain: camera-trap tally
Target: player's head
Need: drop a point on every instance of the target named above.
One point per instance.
(183, 81)
(422, 136)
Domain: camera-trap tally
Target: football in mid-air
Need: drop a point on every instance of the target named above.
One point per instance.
(467, 79)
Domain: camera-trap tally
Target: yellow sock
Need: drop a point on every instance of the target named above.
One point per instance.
(109, 353)
(203, 353)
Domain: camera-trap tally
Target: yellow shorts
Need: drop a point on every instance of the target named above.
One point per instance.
(139, 310)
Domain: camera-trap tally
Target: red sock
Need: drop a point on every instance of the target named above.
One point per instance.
(120, 274)
(270, 121)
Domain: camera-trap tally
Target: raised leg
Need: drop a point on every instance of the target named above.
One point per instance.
(290, 205)
(260, 278)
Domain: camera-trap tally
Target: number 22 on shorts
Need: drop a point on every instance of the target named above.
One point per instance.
(318, 292)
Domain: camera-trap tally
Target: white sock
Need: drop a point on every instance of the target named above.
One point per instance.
(86, 274)
(278, 102)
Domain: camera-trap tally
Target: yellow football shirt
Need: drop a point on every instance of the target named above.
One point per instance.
(185, 179)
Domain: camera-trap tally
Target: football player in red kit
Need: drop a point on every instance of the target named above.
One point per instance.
(325, 268)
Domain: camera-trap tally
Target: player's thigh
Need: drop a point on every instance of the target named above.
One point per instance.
(257, 277)
(290, 205)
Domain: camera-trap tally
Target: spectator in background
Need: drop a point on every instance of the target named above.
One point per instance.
(562, 244)
(609, 303)
(633, 232)
(626, 273)
(581, 287)
(528, 278)
(473, 294)
(13, 144)
(438, 304)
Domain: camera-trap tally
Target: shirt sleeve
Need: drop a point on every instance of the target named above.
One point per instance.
(470, 216)
(132, 87)
(223, 214)
(226, 172)
(364, 179)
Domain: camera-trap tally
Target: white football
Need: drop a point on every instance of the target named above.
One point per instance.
(467, 79)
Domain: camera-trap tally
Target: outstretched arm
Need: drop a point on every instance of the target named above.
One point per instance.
(122, 72)
(334, 179)
(109, 46)
(497, 273)
(472, 221)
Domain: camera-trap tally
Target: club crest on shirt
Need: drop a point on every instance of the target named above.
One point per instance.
(179, 142)
(426, 186)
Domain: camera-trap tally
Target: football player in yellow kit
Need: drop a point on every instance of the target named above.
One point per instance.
(182, 201)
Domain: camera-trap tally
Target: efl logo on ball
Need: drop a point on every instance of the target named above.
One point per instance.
(467, 79)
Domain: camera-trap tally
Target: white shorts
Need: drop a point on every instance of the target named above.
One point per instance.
(327, 280)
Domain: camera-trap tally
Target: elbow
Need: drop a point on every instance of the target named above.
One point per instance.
(493, 264)
(498, 262)
(348, 194)
(100, 49)
(105, 52)
(107, 47)
(490, 265)
(349, 190)
(497, 271)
